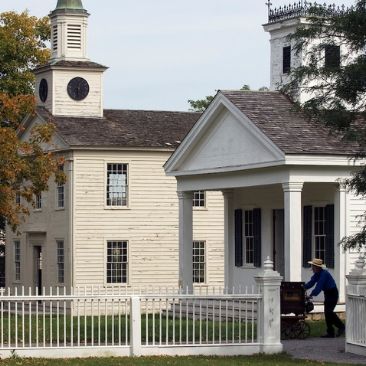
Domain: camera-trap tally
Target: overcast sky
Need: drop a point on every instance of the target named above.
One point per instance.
(160, 53)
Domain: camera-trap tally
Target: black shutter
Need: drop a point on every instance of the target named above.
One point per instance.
(257, 237)
(329, 236)
(307, 236)
(238, 238)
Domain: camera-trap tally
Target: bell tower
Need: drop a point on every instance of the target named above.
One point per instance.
(70, 84)
(284, 21)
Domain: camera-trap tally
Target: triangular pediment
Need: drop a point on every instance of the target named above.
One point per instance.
(223, 139)
(56, 143)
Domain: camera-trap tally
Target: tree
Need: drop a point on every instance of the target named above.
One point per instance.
(335, 83)
(24, 167)
(200, 105)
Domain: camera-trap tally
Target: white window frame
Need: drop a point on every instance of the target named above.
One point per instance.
(199, 200)
(126, 263)
(319, 235)
(38, 202)
(124, 203)
(248, 237)
(60, 192)
(60, 261)
(196, 259)
(17, 261)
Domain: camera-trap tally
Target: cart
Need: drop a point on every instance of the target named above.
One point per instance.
(294, 307)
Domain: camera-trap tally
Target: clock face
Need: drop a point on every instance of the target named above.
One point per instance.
(78, 88)
(43, 90)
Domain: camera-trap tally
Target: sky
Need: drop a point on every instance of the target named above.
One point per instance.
(160, 53)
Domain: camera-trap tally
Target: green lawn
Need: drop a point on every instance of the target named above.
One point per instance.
(260, 360)
(116, 330)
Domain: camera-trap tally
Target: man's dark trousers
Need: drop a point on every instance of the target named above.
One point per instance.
(331, 318)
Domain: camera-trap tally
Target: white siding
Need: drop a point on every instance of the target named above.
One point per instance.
(42, 228)
(356, 208)
(149, 223)
(63, 105)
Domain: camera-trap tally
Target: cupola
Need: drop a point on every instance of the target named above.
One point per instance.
(69, 31)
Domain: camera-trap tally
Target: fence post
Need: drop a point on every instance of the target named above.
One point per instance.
(269, 312)
(135, 326)
(355, 308)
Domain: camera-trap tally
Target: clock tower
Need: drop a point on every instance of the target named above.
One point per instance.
(70, 84)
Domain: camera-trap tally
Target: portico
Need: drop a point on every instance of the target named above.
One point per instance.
(290, 207)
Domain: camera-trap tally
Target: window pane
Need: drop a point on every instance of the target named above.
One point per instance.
(60, 261)
(117, 262)
(332, 56)
(319, 232)
(199, 199)
(117, 185)
(286, 60)
(248, 241)
(199, 262)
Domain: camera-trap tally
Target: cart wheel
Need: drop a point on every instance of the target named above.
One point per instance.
(301, 329)
(285, 330)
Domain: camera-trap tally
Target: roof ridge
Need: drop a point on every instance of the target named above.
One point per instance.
(150, 110)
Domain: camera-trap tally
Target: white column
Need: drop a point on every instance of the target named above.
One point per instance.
(339, 233)
(228, 236)
(185, 241)
(293, 230)
(269, 327)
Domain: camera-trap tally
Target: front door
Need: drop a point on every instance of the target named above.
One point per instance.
(279, 241)
(38, 268)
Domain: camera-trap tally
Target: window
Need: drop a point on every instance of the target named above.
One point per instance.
(199, 199)
(199, 262)
(17, 198)
(319, 233)
(60, 261)
(248, 242)
(117, 187)
(17, 260)
(117, 261)
(38, 202)
(248, 237)
(332, 56)
(286, 59)
(60, 193)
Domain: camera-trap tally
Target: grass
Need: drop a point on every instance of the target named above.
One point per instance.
(116, 329)
(256, 360)
(317, 328)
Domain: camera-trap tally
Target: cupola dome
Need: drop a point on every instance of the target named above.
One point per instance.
(69, 4)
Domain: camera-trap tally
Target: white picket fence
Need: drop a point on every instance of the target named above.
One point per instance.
(356, 309)
(96, 323)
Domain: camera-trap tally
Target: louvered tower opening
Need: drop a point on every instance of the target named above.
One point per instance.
(54, 38)
(74, 36)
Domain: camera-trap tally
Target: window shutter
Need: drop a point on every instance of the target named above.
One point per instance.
(307, 236)
(329, 236)
(257, 237)
(238, 238)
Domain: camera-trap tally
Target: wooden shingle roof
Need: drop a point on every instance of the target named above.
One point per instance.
(125, 128)
(275, 115)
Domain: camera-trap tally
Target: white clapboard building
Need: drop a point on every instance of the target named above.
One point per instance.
(115, 221)
(251, 179)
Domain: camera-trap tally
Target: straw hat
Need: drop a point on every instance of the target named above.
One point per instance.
(317, 262)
